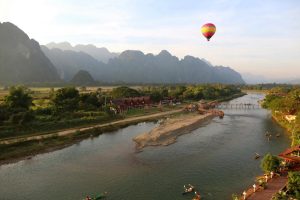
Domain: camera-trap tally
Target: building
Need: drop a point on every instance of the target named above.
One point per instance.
(290, 118)
(291, 155)
(131, 102)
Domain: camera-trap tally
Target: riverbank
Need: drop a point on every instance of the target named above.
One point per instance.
(170, 129)
(24, 147)
(291, 128)
(16, 149)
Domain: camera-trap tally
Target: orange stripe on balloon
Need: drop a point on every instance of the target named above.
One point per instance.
(209, 28)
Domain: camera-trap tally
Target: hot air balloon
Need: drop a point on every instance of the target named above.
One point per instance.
(208, 30)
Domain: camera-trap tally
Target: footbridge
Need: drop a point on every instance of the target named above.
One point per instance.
(245, 106)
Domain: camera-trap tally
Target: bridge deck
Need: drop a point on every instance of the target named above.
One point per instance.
(238, 106)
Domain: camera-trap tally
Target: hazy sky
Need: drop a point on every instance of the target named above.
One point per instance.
(253, 36)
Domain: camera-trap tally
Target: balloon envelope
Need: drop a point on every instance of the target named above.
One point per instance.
(208, 30)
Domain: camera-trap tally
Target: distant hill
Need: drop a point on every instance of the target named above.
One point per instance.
(68, 63)
(83, 78)
(136, 67)
(254, 79)
(258, 79)
(100, 54)
(21, 59)
(295, 81)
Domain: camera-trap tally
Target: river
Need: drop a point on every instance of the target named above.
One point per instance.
(217, 158)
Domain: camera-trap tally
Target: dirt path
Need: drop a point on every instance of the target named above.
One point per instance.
(73, 130)
(273, 186)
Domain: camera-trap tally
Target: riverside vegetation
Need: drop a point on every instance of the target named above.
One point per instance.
(25, 112)
(284, 102)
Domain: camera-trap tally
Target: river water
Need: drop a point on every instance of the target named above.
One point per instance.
(217, 158)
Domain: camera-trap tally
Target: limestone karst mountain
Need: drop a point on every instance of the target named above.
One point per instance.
(21, 59)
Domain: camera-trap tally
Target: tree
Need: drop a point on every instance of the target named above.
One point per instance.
(270, 163)
(122, 92)
(66, 99)
(294, 183)
(188, 94)
(177, 91)
(155, 96)
(19, 98)
(90, 100)
(209, 92)
(3, 113)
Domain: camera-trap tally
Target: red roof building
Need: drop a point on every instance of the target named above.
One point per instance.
(291, 154)
(131, 102)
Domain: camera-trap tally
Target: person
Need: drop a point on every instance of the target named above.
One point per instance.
(254, 187)
(244, 194)
(272, 173)
(190, 189)
(197, 197)
(186, 189)
(88, 198)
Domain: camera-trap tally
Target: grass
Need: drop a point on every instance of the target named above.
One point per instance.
(20, 150)
(147, 111)
(45, 124)
(51, 124)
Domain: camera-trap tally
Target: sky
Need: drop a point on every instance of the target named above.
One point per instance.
(259, 37)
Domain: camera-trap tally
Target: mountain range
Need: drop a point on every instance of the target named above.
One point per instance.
(24, 60)
(101, 54)
(133, 66)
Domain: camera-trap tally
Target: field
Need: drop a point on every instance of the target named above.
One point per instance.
(42, 93)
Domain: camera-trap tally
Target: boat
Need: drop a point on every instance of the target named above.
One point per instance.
(278, 135)
(268, 134)
(188, 189)
(257, 156)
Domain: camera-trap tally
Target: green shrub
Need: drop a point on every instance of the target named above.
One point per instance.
(270, 163)
(4, 114)
(294, 183)
(235, 197)
(44, 111)
(18, 98)
(22, 118)
(66, 99)
(280, 196)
